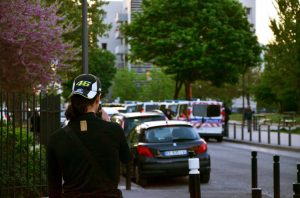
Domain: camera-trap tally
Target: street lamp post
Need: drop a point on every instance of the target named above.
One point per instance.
(84, 38)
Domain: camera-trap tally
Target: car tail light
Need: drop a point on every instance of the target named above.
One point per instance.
(144, 151)
(202, 148)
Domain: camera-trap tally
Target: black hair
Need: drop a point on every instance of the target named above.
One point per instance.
(78, 106)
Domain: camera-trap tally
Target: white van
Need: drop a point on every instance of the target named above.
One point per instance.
(207, 117)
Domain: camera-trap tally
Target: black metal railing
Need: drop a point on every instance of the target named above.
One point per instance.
(26, 121)
(267, 134)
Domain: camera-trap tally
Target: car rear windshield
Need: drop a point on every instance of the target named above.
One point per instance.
(205, 110)
(171, 134)
(151, 107)
(130, 123)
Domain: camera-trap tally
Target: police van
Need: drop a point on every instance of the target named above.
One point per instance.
(207, 117)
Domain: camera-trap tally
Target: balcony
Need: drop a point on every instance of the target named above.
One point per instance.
(120, 50)
(118, 34)
(121, 17)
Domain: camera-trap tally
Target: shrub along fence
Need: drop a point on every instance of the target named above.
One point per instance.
(26, 121)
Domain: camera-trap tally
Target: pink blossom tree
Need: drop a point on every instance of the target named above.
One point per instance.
(32, 50)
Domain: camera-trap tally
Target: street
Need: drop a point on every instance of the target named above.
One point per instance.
(231, 174)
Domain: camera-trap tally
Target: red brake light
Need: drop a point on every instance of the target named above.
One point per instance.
(202, 148)
(144, 151)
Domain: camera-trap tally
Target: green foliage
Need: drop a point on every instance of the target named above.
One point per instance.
(280, 82)
(158, 86)
(125, 85)
(196, 40)
(72, 11)
(205, 90)
(102, 65)
(154, 85)
(23, 162)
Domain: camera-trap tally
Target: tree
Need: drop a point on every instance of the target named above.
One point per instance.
(157, 86)
(72, 11)
(31, 47)
(152, 85)
(102, 64)
(280, 81)
(204, 90)
(207, 40)
(125, 85)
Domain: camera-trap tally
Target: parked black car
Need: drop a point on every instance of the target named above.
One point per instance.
(161, 148)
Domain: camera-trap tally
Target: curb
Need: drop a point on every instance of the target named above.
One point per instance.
(287, 148)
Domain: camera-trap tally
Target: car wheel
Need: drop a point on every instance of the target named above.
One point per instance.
(204, 178)
(139, 179)
(220, 139)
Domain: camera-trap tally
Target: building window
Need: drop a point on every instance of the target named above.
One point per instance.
(104, 46)
(248, 11)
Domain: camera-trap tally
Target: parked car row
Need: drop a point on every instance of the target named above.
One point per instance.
(207, 117)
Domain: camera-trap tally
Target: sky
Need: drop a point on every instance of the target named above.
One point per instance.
(265, 10)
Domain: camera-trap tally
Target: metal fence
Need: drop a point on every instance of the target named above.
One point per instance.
(273, 134)
(26, 121)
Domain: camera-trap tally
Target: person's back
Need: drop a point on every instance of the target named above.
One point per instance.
(86, 154)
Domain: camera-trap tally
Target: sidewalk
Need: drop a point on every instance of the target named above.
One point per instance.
(264, 137)
(139, 192)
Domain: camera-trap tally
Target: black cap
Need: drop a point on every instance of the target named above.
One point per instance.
(86, 85)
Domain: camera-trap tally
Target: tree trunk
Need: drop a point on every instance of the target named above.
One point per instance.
(188, 90)
(178, 86)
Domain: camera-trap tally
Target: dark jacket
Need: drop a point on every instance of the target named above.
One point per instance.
(107, 144)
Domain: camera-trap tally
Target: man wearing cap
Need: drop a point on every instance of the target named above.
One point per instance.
(84, 157)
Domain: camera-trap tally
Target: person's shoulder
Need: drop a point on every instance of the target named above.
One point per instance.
(57, 135)
(112, 125)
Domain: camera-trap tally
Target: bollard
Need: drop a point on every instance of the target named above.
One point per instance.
(278, 135)
(243, 128)
(269, 134)
(194, 177)
(296, 186)
(290, 136)
(255, 123)
(128, 176)
(276, 174)
(256, 192)
(243, 133)
(250, 135)
(234, 131)
(254, 169)
(259, 134)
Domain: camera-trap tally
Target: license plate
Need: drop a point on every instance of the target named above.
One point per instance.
(175, 153)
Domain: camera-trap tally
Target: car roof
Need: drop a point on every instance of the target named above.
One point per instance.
(151, 124)
(140, 114)
(110, 110)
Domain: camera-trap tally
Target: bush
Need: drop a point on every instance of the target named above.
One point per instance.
(23, 163)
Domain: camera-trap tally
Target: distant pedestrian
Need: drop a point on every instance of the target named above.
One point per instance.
(168, 113)
(248, 117)
(227, 113)
(84, 157)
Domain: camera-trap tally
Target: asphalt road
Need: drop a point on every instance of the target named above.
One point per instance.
(231, 174)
